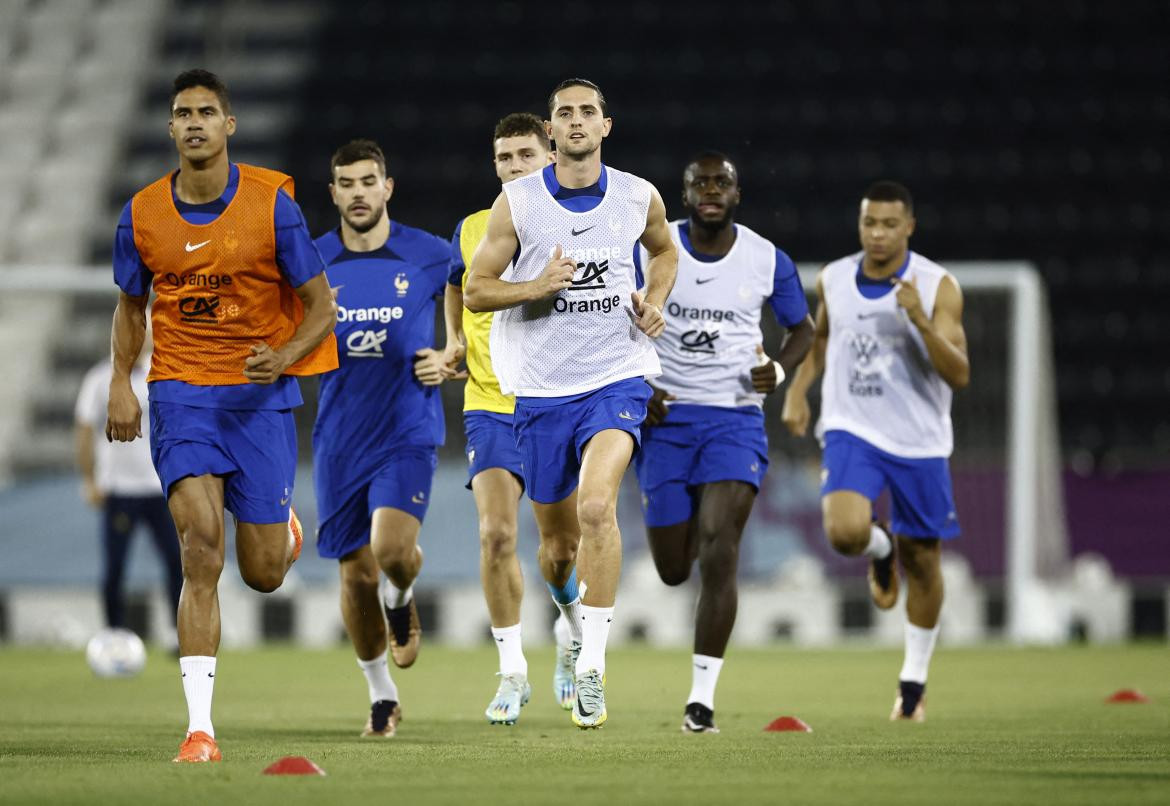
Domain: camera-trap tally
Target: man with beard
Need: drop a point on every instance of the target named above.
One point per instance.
(520, 146)
(572, 342)
(380, 418)
(704, 450)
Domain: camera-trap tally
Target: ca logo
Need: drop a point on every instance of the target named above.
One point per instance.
(699, 341)
(592, 276)
(199, 309)
(365, 343)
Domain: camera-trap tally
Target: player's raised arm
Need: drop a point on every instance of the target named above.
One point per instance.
(124, 414)
(661, 266)
(796, 414)
(485, 291)
(266, 364)
(946, 341)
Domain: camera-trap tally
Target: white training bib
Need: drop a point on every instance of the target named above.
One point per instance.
(879, 383)
(584, 337)
(713, 322)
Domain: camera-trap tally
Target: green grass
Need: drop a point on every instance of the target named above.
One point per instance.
(1004, 726)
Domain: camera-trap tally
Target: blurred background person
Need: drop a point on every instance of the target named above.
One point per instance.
(118, 480)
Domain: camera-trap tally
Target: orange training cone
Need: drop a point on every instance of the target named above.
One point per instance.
(293, 765)
(788, 723)
(1127, 695)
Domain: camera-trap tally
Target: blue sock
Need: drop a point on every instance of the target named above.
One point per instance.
(568, 593)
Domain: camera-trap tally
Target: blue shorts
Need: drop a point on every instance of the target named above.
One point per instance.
(255, 451)
(491, 442)
(921, 501)
(551, 433)
(402, 481)
(697, 445)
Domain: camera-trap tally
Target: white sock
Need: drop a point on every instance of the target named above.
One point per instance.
(377, 673)
(511, 650)
(571, 616)
(198, 684)
(879, 544)
(562, 633)
(396, 598)
(919, 648)
(704, 675)
(595, 623)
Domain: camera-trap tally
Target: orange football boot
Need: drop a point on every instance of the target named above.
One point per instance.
(295, 534)
(197, 747)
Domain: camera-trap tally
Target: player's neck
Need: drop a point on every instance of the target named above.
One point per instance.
(712, 241)
(886, 268)
(373, 238)
(575, 173)
(203, 182)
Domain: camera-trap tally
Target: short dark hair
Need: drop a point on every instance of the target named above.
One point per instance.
(578, 82)
(202, 78)
(356, 151)
(888, 191)
(519, 124)
(711, 154)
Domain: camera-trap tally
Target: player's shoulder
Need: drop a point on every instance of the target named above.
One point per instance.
(414, 243)
(532, 181)
(473, 227)
(756, 240)
(266, 176)
(477, 220)
(848, 264)
(329, 245)
(633, 180)
(922, 265)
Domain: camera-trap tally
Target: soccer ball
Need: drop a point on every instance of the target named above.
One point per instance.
(115, 652)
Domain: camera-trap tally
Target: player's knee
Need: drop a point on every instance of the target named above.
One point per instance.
(201, 557)
(497, 539)
(920, 560)
(674, 573)
(847, 537)
(718, 559)
(396, 553)
(596, 514)
(264, 580)
(360, 582)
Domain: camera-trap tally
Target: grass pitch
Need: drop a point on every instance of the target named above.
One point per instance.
(1004, 726)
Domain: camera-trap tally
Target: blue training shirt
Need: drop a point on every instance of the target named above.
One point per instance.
(297, 258)
(373, 404)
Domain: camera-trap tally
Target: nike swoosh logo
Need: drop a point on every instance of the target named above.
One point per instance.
(581, 709)
(700, 666)
(192, 248)
(626, 416)
(211, 674)
(416, 499)
(581, 231)
(700, 282)
(284, 501)
(866, 315)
